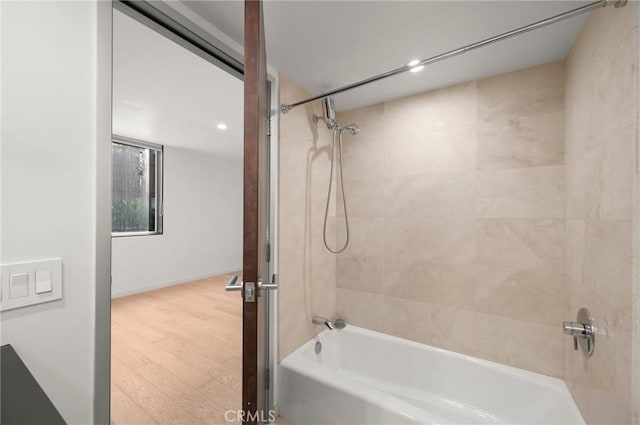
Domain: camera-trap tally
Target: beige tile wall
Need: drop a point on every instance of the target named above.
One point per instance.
(456, 205)
(307, 272)
(601, 168)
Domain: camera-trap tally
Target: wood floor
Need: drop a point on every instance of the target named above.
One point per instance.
(176, 355)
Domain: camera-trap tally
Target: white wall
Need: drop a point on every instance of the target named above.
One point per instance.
(48, 166)
(202, 226)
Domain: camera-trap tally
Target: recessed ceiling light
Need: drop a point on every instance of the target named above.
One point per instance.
(414, 62)
(222, 126)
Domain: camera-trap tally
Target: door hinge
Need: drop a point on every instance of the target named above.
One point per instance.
(269, 124)
(268, 252)
(267, 379)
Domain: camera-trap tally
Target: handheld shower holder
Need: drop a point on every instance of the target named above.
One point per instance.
(331, 124)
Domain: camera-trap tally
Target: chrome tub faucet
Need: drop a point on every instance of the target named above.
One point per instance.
(337, 324)
(318, 320)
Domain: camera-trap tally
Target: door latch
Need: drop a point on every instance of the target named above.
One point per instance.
(249, 292)
(248, 289)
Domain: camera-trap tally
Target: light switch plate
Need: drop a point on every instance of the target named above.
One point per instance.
(43, 283)
(18, 285)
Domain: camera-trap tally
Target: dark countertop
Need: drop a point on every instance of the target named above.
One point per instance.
(22, 400)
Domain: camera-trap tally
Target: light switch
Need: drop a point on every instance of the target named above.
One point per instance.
(43, 281)
(30, 282)
(18, 285)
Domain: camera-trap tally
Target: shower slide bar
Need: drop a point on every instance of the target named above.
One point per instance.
(455, 52)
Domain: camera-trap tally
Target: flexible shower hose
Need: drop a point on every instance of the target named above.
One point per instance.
(336, 132)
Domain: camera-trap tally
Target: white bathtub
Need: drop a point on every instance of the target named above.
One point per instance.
(365, 377)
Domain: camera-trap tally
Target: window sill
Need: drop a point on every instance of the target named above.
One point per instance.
(129, 234)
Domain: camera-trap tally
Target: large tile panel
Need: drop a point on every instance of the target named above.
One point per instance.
(456, 199)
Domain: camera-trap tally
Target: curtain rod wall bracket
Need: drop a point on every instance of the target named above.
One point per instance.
(285, 108)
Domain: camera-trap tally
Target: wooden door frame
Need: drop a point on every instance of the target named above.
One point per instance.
(255, 376)
(251, 254)
(175, 19)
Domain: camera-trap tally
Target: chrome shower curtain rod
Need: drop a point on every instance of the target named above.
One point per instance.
(451, 53)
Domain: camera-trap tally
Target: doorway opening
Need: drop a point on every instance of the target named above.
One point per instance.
(177, 208)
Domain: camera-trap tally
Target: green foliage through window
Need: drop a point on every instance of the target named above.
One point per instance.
(136, 188)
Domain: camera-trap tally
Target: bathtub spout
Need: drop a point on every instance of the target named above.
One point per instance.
(318, 320)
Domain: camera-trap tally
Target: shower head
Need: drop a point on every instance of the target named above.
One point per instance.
(328, 108)
(328, 114)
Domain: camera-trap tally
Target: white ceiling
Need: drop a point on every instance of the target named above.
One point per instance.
(326, 44)
(164, 94)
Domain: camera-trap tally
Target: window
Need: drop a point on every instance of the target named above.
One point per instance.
(137, 188)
